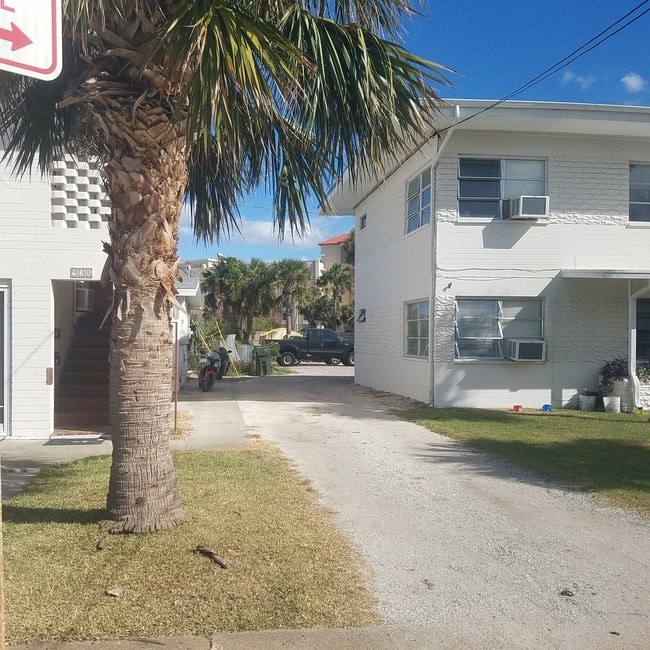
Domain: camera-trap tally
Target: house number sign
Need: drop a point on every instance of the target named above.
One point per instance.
(81, 272)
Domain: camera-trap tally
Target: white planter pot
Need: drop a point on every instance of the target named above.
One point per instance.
(623, 389)
(612, 403)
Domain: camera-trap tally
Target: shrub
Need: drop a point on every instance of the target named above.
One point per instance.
(617, 370)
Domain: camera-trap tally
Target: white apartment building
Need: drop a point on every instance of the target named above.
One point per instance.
(54, 314)
(51, 232)
(507, 257)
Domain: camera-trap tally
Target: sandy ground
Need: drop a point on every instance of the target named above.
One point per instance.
(458, 542)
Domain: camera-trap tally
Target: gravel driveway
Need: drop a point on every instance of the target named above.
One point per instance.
(455, 540)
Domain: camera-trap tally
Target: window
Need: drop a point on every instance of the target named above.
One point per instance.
(482, 326)
(639, 192)
(485, 184)
(417, 329)
(363, 222)
(643, 329)
(418, 201)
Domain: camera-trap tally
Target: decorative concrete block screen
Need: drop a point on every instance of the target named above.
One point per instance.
(77, 195)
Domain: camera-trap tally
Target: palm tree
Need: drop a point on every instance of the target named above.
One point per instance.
(187, 100)
(259, 296)
(316, 307)
(224, 286)
(293, 281)
(337, 279)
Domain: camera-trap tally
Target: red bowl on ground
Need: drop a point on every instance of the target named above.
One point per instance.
(517, 408)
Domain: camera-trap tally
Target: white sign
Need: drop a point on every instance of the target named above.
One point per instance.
(30, 37)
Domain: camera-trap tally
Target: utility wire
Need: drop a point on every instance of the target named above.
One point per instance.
(568, 59)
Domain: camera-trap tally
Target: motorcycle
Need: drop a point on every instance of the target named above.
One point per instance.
(213, 366)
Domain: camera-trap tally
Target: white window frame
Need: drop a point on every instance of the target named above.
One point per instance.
(497, 319)
(422, 325)
(419, 200)
(505, 184)
(642, 186)
(363, 221)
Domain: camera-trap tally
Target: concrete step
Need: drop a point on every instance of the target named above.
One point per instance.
(81, 419)
(90, 342)
(80, 403)
(101, 366)
(84, 378)
(79, 354)
(85, 390)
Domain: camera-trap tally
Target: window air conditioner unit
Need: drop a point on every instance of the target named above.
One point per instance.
(84, 299)
(528, 207)
(526, 349)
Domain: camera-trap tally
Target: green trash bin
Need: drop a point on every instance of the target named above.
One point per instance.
(262, 361)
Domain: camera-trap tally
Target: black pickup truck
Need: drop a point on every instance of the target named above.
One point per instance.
(316, 345)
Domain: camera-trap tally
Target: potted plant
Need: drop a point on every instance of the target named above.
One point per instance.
(612, 371)
(612, 378)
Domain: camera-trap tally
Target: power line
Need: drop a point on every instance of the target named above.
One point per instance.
(568, 59)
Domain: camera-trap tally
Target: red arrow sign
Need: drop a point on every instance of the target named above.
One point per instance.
(39, 54)
(15, 36)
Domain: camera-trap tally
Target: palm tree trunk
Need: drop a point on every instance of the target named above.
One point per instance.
(145, 177)
(289, 317)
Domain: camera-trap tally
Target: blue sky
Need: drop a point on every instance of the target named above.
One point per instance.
(495, 47)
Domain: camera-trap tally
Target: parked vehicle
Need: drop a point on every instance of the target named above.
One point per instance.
(213, 366)
(316, 344)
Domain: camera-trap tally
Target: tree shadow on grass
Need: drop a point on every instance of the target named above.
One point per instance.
(595, 464)
(22, 514)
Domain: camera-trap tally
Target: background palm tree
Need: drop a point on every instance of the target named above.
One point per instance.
(237, 292)
(293, 283)
(260, 295)
(317, 307)
(337, 280)
(206, 101)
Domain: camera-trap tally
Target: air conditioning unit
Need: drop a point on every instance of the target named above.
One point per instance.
(526, 350)
(528, 207)
(84, 299)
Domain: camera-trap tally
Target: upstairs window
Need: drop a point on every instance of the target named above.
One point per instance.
(483, 326)
(640, 192)
(418, 201)
(485, 184)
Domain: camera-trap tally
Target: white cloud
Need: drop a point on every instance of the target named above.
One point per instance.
(582, 81)
(263, 233)
(633, 82)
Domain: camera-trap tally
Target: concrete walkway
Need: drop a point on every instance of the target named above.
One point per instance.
(216, 422)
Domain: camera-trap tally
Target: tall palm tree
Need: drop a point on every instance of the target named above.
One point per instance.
(204, 101)
(337, 279)
(293, 282)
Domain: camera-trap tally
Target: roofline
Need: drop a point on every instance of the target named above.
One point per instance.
(496, 115)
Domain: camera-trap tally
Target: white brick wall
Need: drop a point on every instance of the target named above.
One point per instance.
(586, 320)
(33, 253)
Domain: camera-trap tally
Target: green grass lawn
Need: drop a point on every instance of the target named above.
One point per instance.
(604, 453)
(289, 565)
